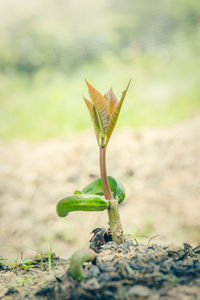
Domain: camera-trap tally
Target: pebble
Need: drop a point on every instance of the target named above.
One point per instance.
(93, 271)
(109, 246)
(91, 284)
(139, 291)
(107, 267)
(128, 244)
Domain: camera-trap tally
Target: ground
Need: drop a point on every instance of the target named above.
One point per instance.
(160, 169)
(129, 271)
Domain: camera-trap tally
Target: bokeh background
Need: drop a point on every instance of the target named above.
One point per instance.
(47, 145)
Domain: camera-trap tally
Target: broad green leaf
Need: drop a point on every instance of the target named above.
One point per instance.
(81, 202)
(96, 188)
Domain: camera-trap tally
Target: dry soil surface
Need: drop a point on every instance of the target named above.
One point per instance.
(160, 169)
(129, 271)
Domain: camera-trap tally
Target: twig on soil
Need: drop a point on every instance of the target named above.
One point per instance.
(151, 238)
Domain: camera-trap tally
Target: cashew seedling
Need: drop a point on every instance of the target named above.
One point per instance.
(78, 259)
(105, 192)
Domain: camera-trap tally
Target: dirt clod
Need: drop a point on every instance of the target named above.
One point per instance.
(139, 291)
(101, 236)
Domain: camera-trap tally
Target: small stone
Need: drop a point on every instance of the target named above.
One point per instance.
(129, 243)
(107, 267)
(4, 267)
(110, 246)
(91, 284)
(11, 291)
(104, 277)
(46, 291)
(93, 271)
(125, 247)
(139, 291)
(124, 269)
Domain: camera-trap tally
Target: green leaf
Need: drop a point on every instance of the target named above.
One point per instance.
(96, 188)
(81, 202)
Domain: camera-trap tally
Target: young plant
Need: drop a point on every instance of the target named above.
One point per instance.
(78, 259)
(105, 192)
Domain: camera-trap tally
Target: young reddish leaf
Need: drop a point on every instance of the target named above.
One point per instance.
(94, 117)
(104, 111)
(101, 107)
(123, 95)
(112, 100)
(115, 114)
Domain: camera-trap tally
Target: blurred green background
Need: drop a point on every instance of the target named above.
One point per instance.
(48, 47)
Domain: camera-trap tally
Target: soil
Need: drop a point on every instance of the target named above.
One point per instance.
(129, 271)
(160, 169)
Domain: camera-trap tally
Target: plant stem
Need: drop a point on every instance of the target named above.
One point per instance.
(113, 210)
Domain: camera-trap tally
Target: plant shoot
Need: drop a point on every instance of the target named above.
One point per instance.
(105, 192)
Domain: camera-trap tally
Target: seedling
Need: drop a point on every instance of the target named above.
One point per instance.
(22, 281)
(105, 192)
(76, 262)
(50, 258)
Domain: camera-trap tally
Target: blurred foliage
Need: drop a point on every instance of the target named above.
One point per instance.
(63, 34)
(48, 47)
